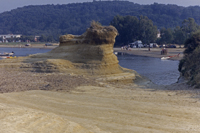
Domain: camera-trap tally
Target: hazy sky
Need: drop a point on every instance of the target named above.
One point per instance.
(7, 5)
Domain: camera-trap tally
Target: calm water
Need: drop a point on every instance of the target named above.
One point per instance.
(162, 72)
(24, 51)
(159, 71)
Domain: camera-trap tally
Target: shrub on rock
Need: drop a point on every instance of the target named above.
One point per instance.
(189, 66)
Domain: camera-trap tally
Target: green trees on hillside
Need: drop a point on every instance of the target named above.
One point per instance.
(131, 28)
(189, 26)
(56, 20)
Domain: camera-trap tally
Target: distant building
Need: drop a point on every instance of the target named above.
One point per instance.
(13, 37)
(36, 38)
(10, 36)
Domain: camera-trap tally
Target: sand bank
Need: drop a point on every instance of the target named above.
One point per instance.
(154, 52)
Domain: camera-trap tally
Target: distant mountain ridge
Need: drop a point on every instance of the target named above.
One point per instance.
(74, 18)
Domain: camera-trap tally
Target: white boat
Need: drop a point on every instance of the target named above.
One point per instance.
(168, 57)
(5, 55)
(165, 58)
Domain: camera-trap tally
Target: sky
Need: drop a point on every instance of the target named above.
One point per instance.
(7, 5)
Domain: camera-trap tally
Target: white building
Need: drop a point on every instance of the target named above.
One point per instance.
(10, 36)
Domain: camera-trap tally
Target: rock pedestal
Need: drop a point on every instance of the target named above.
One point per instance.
(91, 52)
(88, 54)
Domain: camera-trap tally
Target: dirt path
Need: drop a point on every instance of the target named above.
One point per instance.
(108, 109)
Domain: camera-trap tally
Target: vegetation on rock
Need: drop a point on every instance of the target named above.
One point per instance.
(189, 66)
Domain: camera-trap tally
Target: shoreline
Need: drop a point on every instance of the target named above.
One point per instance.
(41, 45)
(154, 52)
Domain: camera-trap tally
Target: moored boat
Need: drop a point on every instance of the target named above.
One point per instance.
(165, 58)
(168, 57)
(5, 55)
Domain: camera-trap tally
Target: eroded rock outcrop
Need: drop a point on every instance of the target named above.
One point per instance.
(90, 53)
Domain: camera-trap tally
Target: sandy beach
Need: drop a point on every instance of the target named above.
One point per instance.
(67, 103)
(80, 105)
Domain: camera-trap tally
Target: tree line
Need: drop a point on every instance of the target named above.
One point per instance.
(179, 34)
(131, 28)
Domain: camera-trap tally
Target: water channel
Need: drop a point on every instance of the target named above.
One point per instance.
(161, 72)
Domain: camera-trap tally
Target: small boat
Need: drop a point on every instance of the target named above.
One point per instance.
(165, 58)
(168, 57)
(5, 55)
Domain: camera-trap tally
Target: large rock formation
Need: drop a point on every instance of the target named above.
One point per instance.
(90, 53)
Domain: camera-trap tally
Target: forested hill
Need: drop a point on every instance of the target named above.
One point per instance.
(75, 18)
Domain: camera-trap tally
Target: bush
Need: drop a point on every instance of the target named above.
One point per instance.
(192, 43)
(189, 66)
